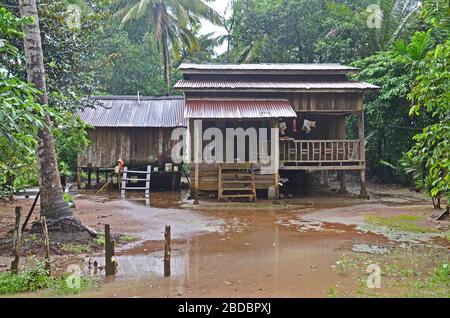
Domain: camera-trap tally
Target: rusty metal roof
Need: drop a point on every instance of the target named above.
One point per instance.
(131, 111)
(236, 85)
(238, 108)
(267, 67)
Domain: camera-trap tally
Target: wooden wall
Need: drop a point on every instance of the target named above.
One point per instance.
(300, 102)
(136, 146)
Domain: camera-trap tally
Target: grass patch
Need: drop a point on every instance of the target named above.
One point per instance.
(406, 223)
(127, 238)
(36, 278)
(76, 249)
(438, 285)
(100, 239)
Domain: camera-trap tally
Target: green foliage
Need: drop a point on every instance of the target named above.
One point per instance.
(36, 278)
(30, 279)
(428, 161)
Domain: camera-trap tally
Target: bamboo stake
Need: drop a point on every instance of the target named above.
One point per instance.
(17, 241)
(24, 225)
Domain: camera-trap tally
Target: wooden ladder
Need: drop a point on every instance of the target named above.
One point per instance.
(236, 181)
(127, 181)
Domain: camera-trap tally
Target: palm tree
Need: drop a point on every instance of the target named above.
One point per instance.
(170, 20)
(396, 17)
(53, 205)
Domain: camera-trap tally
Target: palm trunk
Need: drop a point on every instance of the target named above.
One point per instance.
(53, 205)
(166, 59)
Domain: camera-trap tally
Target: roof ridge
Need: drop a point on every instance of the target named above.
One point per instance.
(135, 97)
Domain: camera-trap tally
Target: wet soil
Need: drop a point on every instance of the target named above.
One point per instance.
(293, 248)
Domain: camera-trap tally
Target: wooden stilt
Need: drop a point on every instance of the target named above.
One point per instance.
(363, 193)
(167, 251)
(97, 177)
(343, 188)
(89, 180)
(79, 178)
(325, 179)
(17, 241)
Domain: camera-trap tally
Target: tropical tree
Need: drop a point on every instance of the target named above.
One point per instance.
(53, 205)
(170, 21)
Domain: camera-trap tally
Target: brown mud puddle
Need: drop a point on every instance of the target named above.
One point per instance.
(255, 255)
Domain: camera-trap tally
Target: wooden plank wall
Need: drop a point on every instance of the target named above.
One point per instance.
(136, 146)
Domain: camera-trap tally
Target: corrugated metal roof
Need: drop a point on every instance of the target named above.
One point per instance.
(238, 108)
(128, 111)
(268, 67)
(193, 84)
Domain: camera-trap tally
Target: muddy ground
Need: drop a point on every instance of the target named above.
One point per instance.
(315, 246)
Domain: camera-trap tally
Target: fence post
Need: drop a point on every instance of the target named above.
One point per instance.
(167, 251)
(110, 268)
(17, 241)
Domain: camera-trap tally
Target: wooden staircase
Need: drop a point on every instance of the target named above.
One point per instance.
(236, 181)
(127, 181)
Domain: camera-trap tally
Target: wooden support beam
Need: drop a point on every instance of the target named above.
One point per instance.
(362, 155)
(17, 241)
(343, 184)
(326, 183)
(89, 180)
(79, 178)
(167, 249)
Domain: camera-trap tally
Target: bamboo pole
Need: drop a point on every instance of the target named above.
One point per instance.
(17, 241)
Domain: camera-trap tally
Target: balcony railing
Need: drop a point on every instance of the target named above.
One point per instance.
(320, 151)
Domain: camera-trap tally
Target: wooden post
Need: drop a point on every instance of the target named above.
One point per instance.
(97, 176)
(325, 179)
(79, 178)
(110, 268)
(17, 241)
(167, 251)
(24, 225)
(174, 177)
(343, 188)
(197, 156)
(89, 180)
(46, 245)
(275, 154)
(362, 155)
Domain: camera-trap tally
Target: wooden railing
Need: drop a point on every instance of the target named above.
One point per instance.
(320, 151)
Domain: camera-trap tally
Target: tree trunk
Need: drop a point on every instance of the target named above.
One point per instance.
(53, 205)
(166, 59)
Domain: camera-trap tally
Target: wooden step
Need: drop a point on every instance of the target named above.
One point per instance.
(136, 171)
(236, 174)
(134, 188)
(238, 189)
(134, 179)
(237, 181)
(237, 195)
